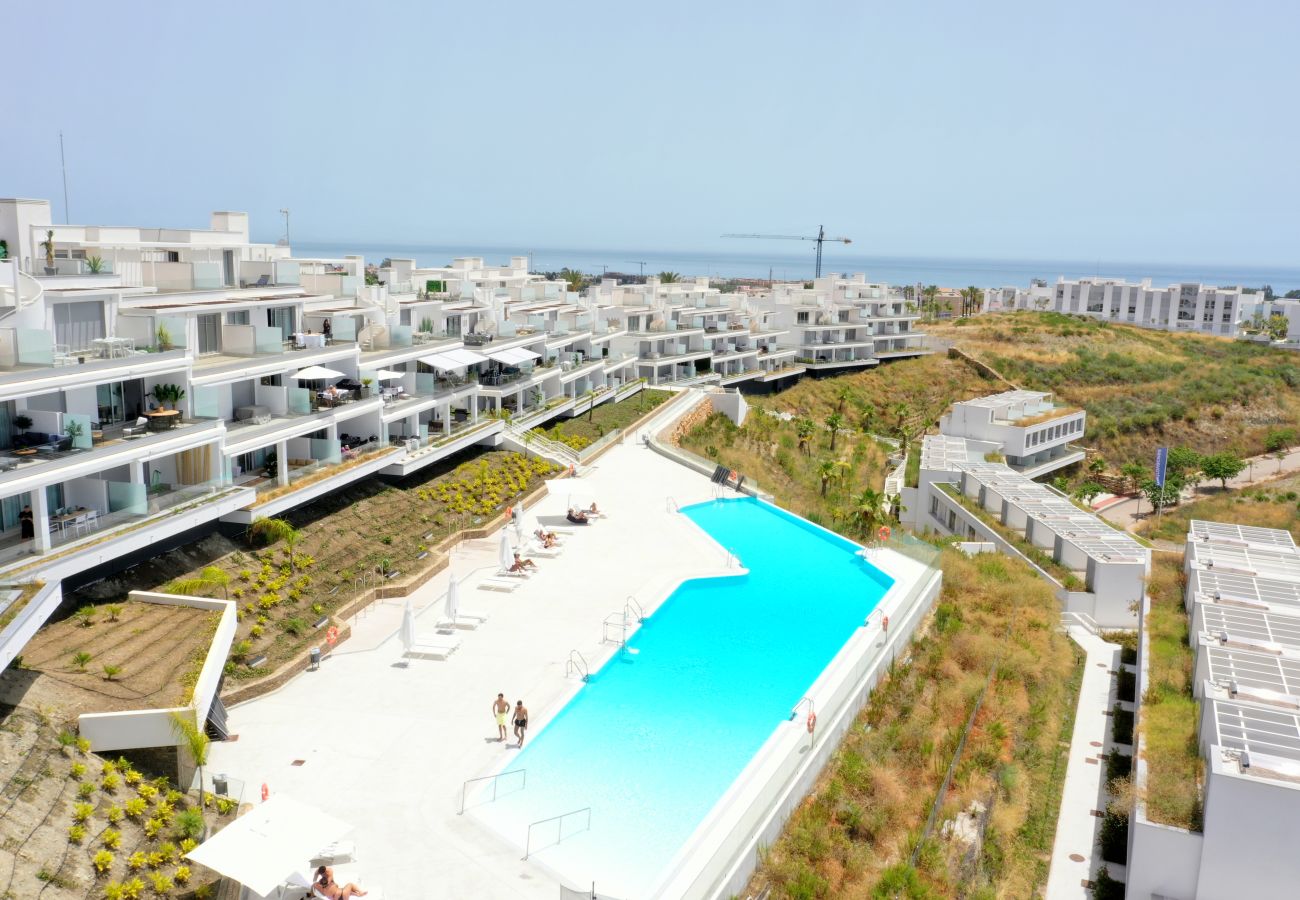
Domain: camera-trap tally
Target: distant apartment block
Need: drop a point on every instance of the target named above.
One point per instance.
(1243, 599)
(1186, 306)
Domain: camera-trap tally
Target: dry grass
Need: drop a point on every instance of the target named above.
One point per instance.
(853, 836)
(1269, 504)
(1142, 388)
(1168, 724)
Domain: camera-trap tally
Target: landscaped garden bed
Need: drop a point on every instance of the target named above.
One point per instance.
(584, 430)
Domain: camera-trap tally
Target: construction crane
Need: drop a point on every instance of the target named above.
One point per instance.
(820, 239)
(637, 262)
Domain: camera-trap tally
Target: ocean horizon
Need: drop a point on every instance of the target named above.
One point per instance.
(788, 266)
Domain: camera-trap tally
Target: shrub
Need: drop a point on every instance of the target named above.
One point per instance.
(152, 827)
(76, 834)
(294, 626)
(111, 838)
(131, 776)
(134, 889)
(82, 811)
(137, 861)
(77, 770)
(86, 789)
(189, 823)
(168, 850)
(135, 807)
(114, 814)
(1118, 765)
(255, 631)
(161, 883)
(85, 616)
(102, 861)
(1126, 688)
(1113, 838)
(111, 782)
(83, 744)
(187, 845)
(67, 738)
(80, 658)
(111, 672)
(181, 875)
(1122, 727)
(226, 805)
(114, 611)
(114, 891)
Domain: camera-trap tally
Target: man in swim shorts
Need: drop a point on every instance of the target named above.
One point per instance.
(501, 709)
(521, 721)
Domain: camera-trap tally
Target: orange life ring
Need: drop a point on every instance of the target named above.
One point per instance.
(812, 722)
(883, 533)
(332, 636)
(885, 623)
(732, 476)
(266, 792)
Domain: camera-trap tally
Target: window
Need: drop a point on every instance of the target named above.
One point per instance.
(453, 326)
(281, 317)
(239, 317)
(844, 315)
(934, 506)
(210, 333)
(77, 324)
(952, 520)
(633, 323)
(404, 316)
(801, 318)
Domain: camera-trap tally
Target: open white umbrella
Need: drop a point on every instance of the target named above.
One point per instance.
(389, 375)
(507, 554)
(408, 627)
(270, 843)
(316, 373)
(453, 600)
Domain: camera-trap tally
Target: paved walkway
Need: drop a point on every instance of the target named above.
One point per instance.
(387, 747)
(1075, 854)
(1124, 511)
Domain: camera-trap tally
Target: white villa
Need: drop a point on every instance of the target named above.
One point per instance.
(979, 470)
(1243, 597)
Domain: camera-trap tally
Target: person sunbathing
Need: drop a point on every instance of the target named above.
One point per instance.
(522, 565)
(577, 517)
(326, 886)
(547, 539)
(592, 509)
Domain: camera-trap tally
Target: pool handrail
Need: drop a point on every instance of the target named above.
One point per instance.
(577, 665)
(632, 605)
(528, 842)
(464, 788)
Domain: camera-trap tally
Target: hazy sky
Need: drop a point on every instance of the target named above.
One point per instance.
(1119, 130)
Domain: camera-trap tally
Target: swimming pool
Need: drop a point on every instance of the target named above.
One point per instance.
(661, 731)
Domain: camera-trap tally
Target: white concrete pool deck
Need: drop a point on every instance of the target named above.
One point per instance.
(387, 747)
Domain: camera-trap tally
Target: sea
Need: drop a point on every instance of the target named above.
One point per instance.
(792, 266)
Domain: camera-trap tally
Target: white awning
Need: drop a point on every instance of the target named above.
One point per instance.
(389, 374)
(268, 843)
(453, 359)
(514, 356)
(316, 373)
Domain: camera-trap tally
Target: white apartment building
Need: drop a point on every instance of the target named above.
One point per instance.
(966, 489)
(844, 322)
(1187, 306)
(1243, 598)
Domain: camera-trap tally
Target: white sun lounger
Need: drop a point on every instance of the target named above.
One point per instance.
(536, 549)
(499, 584)
(439, 647)
(467, 619)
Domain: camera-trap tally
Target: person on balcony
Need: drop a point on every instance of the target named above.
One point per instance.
(27, 523)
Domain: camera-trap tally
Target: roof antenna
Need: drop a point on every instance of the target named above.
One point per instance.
(63, 161)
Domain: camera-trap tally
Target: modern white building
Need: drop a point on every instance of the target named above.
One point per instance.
(1245, 635)
(976, 482)
(841, 323)
(1186, 306)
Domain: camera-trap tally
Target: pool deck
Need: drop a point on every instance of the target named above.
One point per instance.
(387, 746)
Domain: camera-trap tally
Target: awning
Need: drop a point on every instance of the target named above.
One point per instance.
(268, 843)
(453, 359)
(389, 374)
(514, 356)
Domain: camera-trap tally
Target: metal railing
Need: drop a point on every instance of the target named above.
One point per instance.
(464, 788)
(560, 819)
(634, 605)
(577, 663)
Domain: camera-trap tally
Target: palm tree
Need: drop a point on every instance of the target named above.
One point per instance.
(194, 739)
(211, 576)
(842, 396)
(870, 510)
(1097, 465)
(804, 428)
(901, 412)
(834, 422)
(1134, 472)
(577, 281)
(669, 277)
(272, 530)
(970, 300)
(826, 471)
(931, 292)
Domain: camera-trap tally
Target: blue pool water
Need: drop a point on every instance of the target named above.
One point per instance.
(659, 734)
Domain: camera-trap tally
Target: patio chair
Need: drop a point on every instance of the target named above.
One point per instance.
(140, 427)
(536, 548)
(505, 585)
(261, 282)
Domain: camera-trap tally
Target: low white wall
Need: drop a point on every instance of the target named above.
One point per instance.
(18, 632)
(153, 727)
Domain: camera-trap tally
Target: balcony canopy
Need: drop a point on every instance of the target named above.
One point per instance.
(514, 356)
(450, 360)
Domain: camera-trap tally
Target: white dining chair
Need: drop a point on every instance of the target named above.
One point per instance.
(92, 519)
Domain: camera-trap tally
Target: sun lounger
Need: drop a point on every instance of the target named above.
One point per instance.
(536, 549)
(439, 647)
(465, 619)
(499, 584)
(510, 573)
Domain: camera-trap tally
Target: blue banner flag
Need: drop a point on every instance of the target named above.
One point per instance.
(1162, 462)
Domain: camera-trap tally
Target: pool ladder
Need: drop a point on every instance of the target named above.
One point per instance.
(631, 612)
(577, 663)
(672, 505)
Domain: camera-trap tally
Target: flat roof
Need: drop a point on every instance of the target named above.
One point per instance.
(1247, 624)
(1273, 564)
(1235, 663)
(939, 451)
(1007, 398)
(1245, 590)
(1253, 730)
(1205, 532)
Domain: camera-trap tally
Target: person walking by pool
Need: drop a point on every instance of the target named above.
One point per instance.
(521, 721)
(501, 709)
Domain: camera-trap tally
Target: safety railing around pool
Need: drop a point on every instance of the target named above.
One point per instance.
(495, 779)
(559, 820)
